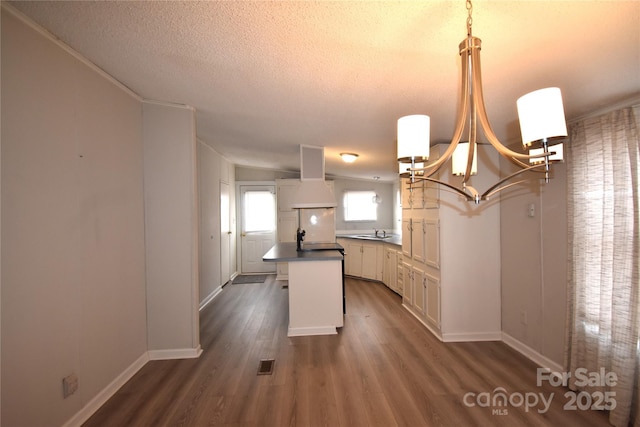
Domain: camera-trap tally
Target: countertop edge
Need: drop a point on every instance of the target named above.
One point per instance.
(286, 252)
(393, 240)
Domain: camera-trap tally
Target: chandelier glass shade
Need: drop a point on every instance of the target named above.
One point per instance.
(542, 123)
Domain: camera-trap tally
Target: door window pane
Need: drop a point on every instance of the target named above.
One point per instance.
(259, 211)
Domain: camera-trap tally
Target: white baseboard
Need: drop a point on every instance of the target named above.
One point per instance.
(175, 353)
(431, 329)
(210, 298)
(319, 330)
(101, 398)
(472, 336)
(531, 354)
(105, 394)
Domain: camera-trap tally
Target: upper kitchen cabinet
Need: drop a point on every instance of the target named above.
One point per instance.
(285, 189)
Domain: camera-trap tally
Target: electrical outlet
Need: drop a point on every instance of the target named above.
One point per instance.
(531, 210)
(523, 317)
(69, 385)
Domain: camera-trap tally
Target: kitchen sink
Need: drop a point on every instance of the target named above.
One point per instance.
(372, 236)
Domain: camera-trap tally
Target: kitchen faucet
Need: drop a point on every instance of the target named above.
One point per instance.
(299, 238)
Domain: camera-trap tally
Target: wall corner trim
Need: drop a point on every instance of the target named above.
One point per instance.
(71, 51)
(169, 104)
(105, 394)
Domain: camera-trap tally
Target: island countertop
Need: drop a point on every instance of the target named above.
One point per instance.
(286, 252)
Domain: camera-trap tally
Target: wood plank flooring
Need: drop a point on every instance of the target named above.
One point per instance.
(382, 369)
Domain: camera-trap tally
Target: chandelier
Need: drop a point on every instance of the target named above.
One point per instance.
(542, 123)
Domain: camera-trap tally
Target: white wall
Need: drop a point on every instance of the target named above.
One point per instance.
(470, 256)
(209, 201)
(212, 170)
(73, 285)
(171, 224)
(534, 265)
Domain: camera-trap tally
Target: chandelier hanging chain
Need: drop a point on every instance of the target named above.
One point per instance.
(469, 18)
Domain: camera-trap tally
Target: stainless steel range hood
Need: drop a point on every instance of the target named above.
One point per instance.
(313, 192)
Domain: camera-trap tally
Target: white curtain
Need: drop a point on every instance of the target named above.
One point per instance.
(603, 284)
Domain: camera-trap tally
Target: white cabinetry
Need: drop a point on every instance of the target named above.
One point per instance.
(407, 292)
(373, 260)
(406, 234)
(432, 299)
(419, 290)
(392, 269)
(364, 260)
(414, 293)
(287, 219)
(417, 239)
(451, 257)
(353, 258)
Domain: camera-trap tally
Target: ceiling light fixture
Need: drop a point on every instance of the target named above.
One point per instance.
(542, 121)
(348, 157)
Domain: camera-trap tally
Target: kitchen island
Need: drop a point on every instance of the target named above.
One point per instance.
(315, 286)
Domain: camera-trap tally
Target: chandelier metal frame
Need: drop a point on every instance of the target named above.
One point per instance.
(471, 110)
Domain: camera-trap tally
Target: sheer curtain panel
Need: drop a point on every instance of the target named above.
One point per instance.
(603, 283)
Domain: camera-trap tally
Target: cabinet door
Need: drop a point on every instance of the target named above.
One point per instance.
(419, 292)
(379, 262)
(407, 281)
(405, 194)
(369, 261)
(391, 269)
(282, 270)
(406, 237)
(417, 239)
(431, 195)
(400, 277)
(432, 243)
(417, 195)
(353, 264)
(433, 300)
(285, 189)
(287, 226)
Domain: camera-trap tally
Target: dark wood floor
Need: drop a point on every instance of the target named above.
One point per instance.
(382, 369)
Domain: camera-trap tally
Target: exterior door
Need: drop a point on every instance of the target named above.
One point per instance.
(258, 227)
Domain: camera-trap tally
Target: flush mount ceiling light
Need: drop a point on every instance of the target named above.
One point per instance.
(348, 157)
(542, 122)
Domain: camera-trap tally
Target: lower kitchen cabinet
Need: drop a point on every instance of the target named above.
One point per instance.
(363, 260)
(432, 294)
(373, 260)
(392, 269)
(414, 294)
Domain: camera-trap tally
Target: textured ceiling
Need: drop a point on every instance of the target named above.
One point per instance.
(265, 77)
